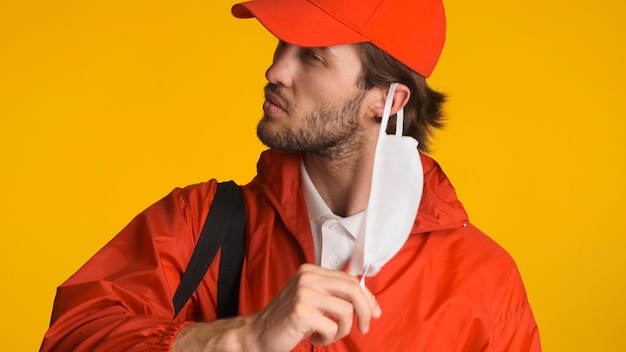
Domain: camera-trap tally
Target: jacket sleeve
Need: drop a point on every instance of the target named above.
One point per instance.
(121, 299)
(516, 331)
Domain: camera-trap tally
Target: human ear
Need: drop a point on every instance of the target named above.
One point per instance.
(400, 99)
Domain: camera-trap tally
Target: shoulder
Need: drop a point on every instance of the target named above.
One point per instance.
(191, 202)
(474, 266)
(197, 193)
(482, 277)
(489, 273)
(482, 250)
(469, 249)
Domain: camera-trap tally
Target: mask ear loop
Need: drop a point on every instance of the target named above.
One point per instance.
(385, 120)
(382, 133)
(386, 112)
(399, 122)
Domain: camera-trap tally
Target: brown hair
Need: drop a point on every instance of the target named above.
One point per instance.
(424, 111)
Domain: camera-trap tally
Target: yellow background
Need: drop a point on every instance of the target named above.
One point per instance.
(105, 106)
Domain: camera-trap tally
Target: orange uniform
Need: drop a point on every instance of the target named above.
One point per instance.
(450, 288)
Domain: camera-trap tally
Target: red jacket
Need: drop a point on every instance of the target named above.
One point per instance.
(450, 288)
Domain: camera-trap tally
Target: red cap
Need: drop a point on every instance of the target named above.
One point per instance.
(411, 31)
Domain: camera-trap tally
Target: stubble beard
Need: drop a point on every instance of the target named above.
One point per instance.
(333, 133)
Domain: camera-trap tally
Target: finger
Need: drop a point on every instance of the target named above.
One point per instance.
(325, 330)
(329, 316)
(340, 310)
(345, 286)
(375, 307)
(348, 288)
(319, 306)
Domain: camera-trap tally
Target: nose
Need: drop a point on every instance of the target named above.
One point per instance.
(282, 68)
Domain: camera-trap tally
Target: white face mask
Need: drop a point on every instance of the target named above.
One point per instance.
(397, 184)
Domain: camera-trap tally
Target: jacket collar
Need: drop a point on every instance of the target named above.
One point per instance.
(279, 176)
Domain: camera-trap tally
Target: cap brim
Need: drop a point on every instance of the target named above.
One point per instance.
(298, 22)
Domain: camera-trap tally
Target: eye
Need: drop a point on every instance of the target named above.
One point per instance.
(310, 55)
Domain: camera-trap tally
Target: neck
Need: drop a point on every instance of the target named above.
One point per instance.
(343, 183)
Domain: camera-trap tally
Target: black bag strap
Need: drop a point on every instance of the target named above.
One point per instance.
(225, 227)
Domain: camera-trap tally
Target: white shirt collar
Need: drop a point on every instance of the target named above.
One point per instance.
(315, 205)
(318, 210)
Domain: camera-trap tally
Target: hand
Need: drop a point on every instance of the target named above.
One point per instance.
(316, 302)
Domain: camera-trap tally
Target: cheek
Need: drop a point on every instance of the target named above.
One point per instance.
(312, 95)
(315, 84)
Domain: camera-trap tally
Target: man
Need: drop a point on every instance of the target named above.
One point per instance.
(339, 68)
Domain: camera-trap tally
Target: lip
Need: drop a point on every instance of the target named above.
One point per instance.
(273, 104)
